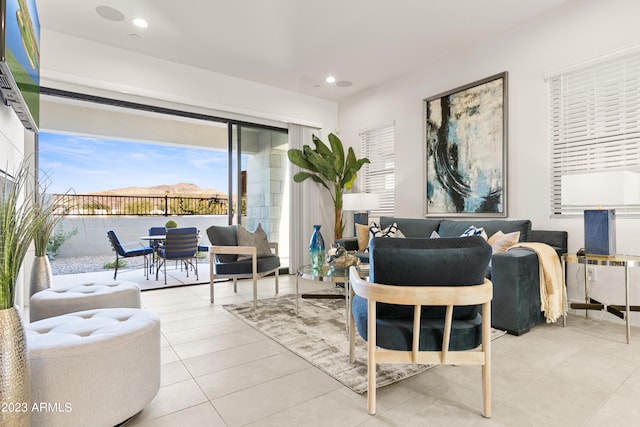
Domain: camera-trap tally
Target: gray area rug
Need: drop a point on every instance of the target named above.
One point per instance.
(319, 336)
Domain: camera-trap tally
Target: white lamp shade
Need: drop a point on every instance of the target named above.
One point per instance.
(360, 201)
(616, 188)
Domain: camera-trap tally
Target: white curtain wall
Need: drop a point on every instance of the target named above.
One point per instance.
(303, 208)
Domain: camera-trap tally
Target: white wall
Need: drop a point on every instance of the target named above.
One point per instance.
(15, 145)
(76, 64)
(579, 31)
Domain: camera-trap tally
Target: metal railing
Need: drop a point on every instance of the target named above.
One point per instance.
(92, 205)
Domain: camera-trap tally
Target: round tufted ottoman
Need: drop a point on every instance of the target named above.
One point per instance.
(72, 297)
(93, 368)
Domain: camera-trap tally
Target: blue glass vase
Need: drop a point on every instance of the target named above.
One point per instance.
(316, 248)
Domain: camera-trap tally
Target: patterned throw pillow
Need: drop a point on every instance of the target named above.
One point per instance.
(474, 231)
(391, 231)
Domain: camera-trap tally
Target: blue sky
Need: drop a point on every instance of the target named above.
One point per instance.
(92, 164)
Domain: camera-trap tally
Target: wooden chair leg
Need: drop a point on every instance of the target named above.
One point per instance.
(277, 275)
(486, 367)
(371, 365)
(255, 290)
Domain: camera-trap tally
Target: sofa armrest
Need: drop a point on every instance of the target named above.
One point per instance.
(349, 243)
(556, 239)
(516, 291)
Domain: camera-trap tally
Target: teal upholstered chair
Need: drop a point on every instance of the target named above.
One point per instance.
(428, 302)
(230, 261)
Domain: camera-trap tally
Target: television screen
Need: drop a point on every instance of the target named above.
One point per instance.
(20, 59)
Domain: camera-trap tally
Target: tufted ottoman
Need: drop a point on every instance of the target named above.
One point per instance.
(93, 368)
(69, 298)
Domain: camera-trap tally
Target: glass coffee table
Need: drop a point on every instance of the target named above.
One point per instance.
(325, 274)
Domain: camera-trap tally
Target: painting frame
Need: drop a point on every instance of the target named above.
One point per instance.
(466, 141)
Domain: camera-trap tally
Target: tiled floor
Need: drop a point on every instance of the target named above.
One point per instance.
(217, 371)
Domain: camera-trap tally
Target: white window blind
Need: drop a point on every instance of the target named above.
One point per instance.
(595, 136)
(378, 177)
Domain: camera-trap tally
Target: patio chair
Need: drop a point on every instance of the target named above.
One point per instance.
(428, 302)
(180, 244)
(121, 252)
(230, 260)
(155, 244)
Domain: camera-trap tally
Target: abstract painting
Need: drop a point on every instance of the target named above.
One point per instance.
(466, 144)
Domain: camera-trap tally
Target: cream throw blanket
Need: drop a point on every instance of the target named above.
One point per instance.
(553, 295)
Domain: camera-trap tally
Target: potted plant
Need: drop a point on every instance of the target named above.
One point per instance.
(329, 167)
(50, 216)
(20, 217)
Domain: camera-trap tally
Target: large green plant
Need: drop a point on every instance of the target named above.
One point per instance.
(328, 166)
(20, 218)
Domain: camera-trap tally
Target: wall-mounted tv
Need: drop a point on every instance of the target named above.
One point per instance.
(20, 60)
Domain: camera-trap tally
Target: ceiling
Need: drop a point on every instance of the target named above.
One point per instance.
(295, 44)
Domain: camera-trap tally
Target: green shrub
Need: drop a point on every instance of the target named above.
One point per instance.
(110, 265)
(170, 224)
(58, 238)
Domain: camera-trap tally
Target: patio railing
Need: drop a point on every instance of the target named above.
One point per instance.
(88, 204)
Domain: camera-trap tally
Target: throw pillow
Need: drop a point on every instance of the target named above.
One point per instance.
(500, 241)
(391, 231)
(474, 231)
(258, 239)
(362, 234)
(434, 235)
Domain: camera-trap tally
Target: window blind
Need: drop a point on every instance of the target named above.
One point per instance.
(378, 177)
(594, 127)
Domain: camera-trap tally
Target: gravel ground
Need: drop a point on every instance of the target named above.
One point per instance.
(88, 264)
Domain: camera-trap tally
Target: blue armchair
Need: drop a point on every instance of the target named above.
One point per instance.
(180, 244)
(428, 302)
(121, 252)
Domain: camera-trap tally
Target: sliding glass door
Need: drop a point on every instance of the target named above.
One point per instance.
(258, 182)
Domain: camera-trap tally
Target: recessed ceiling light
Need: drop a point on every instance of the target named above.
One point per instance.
(140, 23)
(110, 13)
(330, 79)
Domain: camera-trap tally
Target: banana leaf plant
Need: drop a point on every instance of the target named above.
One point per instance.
(328, 166)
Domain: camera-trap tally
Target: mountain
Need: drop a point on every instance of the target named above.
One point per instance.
(180, 189)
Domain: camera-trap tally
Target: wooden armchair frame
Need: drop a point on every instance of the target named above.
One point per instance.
(419, 296)
(240, 250)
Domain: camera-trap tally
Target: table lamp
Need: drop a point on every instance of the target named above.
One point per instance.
(360, 204)
(602, 189)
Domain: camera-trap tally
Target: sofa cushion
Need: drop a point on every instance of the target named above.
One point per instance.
(412, 227)
(454, 228)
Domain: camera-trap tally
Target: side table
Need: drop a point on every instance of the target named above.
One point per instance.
(326, 274)
(626, 261)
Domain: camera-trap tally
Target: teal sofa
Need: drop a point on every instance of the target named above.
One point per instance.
(515, 274)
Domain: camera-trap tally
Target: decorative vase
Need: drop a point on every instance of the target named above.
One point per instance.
(316, 248)
(15, 382)
(41, 275)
